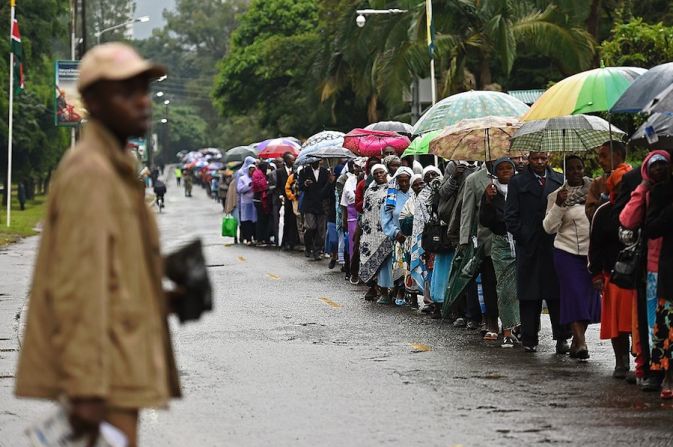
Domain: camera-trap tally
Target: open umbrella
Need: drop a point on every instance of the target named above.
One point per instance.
(368, 143)
(326, 138)
(662, 103)
(421, 144)
(659, 126)
(279, 147)
(594, 90)
(392, 126)
(239, 153)
(473, 104)
(285, 140)
(644, 89)
(564, 134)
(486, 138)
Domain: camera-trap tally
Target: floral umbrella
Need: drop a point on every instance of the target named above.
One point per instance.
(590, 91)
(486, 138)
(473, 104)
(371, 143)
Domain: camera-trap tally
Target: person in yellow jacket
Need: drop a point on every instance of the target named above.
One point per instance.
(97, 331)
(178, 175)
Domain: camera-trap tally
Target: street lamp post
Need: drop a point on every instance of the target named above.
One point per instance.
(142, 19)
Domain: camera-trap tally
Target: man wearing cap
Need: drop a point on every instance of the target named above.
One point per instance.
(97, 333)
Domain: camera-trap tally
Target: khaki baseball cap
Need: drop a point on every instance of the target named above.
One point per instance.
(114, 61)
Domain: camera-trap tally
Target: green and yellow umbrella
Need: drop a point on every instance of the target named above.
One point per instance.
(590, 91)
(421, 145)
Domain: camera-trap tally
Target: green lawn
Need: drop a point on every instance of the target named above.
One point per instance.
(23, 222)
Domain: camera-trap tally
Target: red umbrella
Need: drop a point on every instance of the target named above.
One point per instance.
(370, 143)
(277, 148)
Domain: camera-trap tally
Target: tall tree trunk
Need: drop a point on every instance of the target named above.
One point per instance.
(593, 19)
(485, 75)
(372, 109)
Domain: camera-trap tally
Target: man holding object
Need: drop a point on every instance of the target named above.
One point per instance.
(97, 331)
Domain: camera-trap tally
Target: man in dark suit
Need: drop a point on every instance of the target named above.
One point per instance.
(290, 235)
(536, 277)
(313, 181)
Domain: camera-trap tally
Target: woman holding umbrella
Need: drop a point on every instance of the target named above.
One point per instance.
(566, 218)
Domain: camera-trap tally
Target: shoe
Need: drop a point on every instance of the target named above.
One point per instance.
(371, 296)
(530, 348)
(332, 264)
(472, 325)
(437, 312)
(490, 336)
(317, 257)
(354, 280)
(652, 383)
(459, 322)
(385, 300)
(582, 354)
(620, 372)
(400, 302)
(348, 277)
(516, 332)
(428, 308)
(508, 342)
(562, 347)
(631, 378)
(307, 254)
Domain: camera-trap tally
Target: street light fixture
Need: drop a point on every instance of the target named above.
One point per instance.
(166, 102)
(164, 120)
(142, 19)
(361, 19)
(160, 94)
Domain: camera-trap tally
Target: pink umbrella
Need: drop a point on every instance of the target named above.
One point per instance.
(369, 143)
(276, 148)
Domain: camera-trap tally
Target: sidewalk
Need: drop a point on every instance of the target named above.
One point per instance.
(16, 267)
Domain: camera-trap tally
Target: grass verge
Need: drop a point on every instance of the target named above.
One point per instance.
(23, 222)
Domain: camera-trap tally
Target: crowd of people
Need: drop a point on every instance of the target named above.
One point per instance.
(488, 246)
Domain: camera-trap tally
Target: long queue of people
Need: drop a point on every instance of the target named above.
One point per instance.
(488, 246)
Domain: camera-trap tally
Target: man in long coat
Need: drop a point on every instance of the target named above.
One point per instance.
(97, 330)
(536, 276)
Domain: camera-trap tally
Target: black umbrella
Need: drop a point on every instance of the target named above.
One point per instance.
(644, 89)
(239, 153)
(660, 128)
(392, 126)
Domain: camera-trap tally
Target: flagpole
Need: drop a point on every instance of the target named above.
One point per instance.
(11, 117)
(428, 18)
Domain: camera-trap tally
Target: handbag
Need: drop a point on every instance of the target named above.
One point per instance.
(435, 237)
(229, 226)
(628, 267)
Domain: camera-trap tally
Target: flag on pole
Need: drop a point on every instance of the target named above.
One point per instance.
(17, 50)
(430, 28)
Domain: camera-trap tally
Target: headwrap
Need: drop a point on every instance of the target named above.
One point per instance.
(433, 169)
(403, 170)
(378, 166)
(414, 178)
(361, 161)
(390, 159)
(652, 158)
(500, 161)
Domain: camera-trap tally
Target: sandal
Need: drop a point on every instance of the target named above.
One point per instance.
(490, 336)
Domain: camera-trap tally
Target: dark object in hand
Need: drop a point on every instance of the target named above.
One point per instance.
(187, 269)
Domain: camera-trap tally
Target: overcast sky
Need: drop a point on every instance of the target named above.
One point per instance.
(153, 9)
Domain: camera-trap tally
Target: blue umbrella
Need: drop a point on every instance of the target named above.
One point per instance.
(644, 89)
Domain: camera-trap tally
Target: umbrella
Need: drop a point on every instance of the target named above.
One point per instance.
(239, 153)
(421, 144)
(368, 143)
(326, 138)
(473, 104)
(564, 134)
(392, 126)
(279, 147)
(644, 89)
(291, 141)
(595, 90)
(663, 102)
(486, 138)
(660, 127)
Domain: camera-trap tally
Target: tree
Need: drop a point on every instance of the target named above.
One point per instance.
(267, 70)
(636, 43)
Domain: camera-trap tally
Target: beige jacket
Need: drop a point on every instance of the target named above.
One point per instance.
(97, 319)
(570, 224)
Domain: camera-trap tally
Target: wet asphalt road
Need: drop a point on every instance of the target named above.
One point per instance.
(293, 356)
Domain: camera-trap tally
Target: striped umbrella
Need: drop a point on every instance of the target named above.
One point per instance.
(564, 134)
(473, 104)
(590, 91)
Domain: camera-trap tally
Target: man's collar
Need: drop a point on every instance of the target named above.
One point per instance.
(100, 139)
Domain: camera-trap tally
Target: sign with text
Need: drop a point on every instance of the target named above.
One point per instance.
(68, 107)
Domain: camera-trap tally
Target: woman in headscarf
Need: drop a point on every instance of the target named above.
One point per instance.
(247, 212)
(566, 217)
(421, 263)
(262, 201)
(492, 216)
(392, 272)
(407, 226)
(375, 247)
